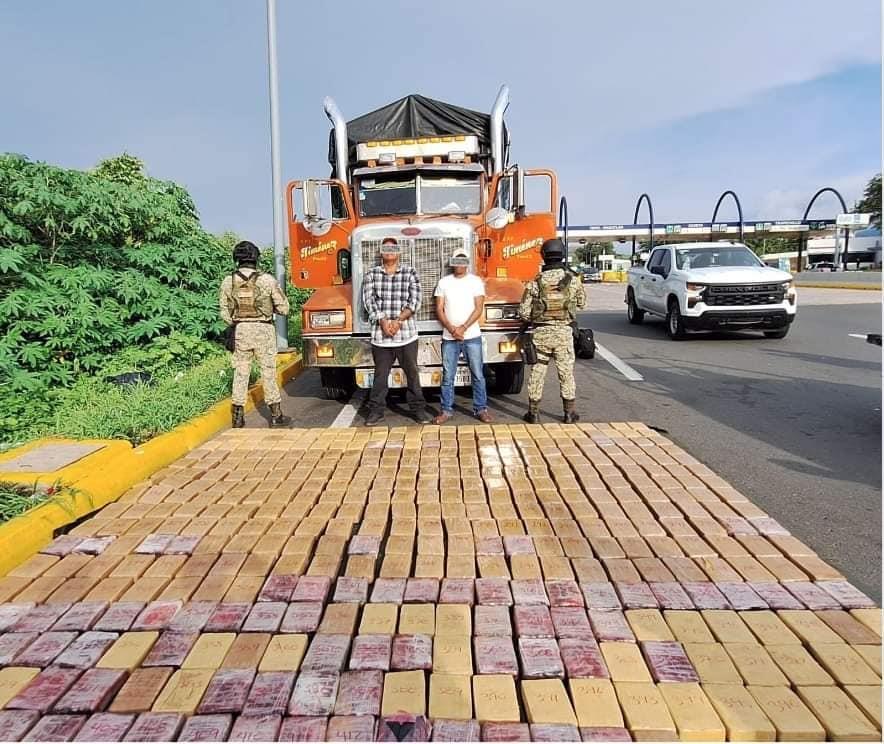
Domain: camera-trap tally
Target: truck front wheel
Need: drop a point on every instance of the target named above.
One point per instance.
(508, 378)
(674, 322)
(338, 383)
(633, 312)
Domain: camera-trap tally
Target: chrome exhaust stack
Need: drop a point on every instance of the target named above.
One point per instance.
(497, 143)
(341, 146)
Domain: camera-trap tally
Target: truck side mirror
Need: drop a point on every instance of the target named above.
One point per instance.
(518, 200)
(311, 200)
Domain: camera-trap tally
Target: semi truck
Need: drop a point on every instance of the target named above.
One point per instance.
(435, 177)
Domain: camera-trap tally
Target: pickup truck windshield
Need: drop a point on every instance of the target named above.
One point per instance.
(419, 194)
(704, 258)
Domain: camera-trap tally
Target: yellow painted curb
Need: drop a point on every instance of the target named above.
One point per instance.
(107, 474)
(841, 285)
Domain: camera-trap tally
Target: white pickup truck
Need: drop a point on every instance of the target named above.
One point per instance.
(707, 286)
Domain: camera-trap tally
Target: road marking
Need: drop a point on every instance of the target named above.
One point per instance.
(617, 363)
(345, 417)
(857, 335)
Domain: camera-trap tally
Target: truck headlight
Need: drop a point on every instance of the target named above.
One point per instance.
(328, 319)
(694, 287)
(502, 312)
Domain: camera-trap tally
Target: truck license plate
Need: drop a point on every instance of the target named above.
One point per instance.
(429, 378)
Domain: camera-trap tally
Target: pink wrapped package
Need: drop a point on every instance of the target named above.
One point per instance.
(518, 545)
(349, 589)
(564, 593)
(768, 526)
(388, 591)
(846, 594)
(495, 655)
(42, 692)
(81, 616)
(741, 596)
(446, 729)
(601, 733)
(570, 622)
(636, 596)
(554, 732)
(227, 692)
(86, 650)
(506, 732)
(705, 595)
(270, 694)
(775, 595)
(610, 625)
(62, 545)
(12, 644)
(255, 728)
(302, 617)
(278, 588)
(312, 589)
(371, 652)
(421, 591)
(303, 728)
(671, 595)
(668, 662)
(92, 692)
(364, 545)
(119, 616)
(105, 727)
(155, 727)
(314, 694)
(193, 617)
(14, 724)
(155, 543)
(10, 614)
(206, 728)
(95, 545)
(540, 658)
(600, 595)
(45, 647)
(528, 591)
(182, 545)
(265, 617)
(56, 728)
(40, 619)
(327, 653)
(494, 592)
(582, 658)
(812, 596)
(533, 621)
(412, 652)
(157, 615)
(359, 694)
(170, 649)
(489, 546)
(492, 620)
(228, 617)
(457, 591)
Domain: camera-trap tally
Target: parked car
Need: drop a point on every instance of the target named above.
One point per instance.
(707, 286)
(823, 266)
(591, 274)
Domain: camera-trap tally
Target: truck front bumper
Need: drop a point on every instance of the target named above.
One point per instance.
(355, 351)
(712, 319)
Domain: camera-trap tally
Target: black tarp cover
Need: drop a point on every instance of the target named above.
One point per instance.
(414, 116)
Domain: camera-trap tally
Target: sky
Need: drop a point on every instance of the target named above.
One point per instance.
(680, 99)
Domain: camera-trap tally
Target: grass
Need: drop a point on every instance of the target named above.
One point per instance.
(94, 409)
(17, 498)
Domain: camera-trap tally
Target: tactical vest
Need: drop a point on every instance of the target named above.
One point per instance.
(553, 303)
(249, 301)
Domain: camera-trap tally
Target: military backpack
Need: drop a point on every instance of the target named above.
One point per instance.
(554, 303)
(249, 301)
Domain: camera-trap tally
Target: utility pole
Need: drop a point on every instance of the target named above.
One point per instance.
(282, 341)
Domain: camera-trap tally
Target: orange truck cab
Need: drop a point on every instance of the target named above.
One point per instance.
(436, 177)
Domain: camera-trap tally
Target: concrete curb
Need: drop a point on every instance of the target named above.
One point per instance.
(107, 474)
(840, 285)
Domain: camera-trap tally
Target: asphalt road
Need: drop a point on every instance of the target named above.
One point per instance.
(795, 424)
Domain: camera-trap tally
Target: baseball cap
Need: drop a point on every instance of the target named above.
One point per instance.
(459, 257)
(390, 245)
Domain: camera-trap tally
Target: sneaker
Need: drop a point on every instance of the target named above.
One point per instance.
(485, 416)
(423, 417)
(442, 418)
(374, 418)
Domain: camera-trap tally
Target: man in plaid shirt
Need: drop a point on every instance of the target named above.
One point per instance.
(391, 294)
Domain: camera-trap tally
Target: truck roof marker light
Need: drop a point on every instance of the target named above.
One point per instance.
(437, 160)
(387, 157)
(456, 156)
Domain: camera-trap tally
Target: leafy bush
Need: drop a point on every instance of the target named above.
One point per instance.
(101, 272)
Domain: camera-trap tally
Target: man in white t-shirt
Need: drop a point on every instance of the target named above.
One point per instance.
(460, 300)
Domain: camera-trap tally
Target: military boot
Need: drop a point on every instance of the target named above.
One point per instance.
(277, 420)
(533, 415)
(571, 416)
(238, 417)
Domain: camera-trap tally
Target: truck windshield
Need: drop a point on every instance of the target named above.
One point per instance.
(703, 258)
(439, 194)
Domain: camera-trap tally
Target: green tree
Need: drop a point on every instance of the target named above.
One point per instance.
(871, 200)
(124, 168)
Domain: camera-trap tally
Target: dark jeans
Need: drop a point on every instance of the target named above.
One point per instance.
(384, 358)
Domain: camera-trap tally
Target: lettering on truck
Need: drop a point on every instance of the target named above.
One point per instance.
(526, 245)
(313, 250)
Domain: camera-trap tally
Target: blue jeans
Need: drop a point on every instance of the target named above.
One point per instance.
(472, 350)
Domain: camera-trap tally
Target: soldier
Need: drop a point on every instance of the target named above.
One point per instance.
(550, 303)
(248, 300)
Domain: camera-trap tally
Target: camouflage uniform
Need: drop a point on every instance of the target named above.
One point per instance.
(255, 336)
(553, 339)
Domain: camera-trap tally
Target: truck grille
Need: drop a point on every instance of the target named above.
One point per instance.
(744, 294)
(428, 255)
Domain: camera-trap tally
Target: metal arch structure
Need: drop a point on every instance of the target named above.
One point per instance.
(807, 212)
(644, 197)
(739, 209)
(563, 223)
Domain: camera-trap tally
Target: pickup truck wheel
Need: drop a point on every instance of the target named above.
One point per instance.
(633, 312)
(674, 322)
(779, 333)
(337, 383)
